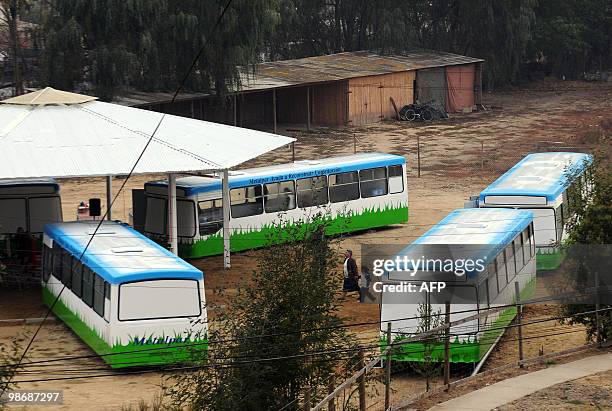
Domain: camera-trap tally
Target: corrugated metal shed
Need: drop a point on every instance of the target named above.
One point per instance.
(343, 66)
(100, 139)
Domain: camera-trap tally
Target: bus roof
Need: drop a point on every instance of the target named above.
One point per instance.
(488, 230)
(539, 174)
(299, 169)
(120, 254)
(11, 182)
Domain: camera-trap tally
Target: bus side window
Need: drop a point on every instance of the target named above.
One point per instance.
(526, 245)
(518, 253)
(343, 187)
(47, 263)
(312, 191)
(502, 277)
(88, 286)
(107, 300)
(57, 261)
(492, 284)
(483, 294)
(246, 201)
(373, 182)
(510, 263)
(532, 239)
(396, 179)
(210, 216)
(77, 276)
(279, 196)
(66, 268)
(98, 295)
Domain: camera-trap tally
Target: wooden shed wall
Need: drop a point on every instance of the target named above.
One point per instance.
(369, 97)
(328, 103)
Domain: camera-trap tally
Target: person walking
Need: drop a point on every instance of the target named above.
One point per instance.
(364, 283)
(351, 275)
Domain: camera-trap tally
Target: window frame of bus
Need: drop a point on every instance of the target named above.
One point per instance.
(518, 266)
(164, 200)
(558, 222)
(77, 271)
(57, 261)
(47, 266)
(278, 194)
(97, 286)
(66, 278)
(88, 287)
(401, 175)
(212, 224)
(258, 202)
(29, 213)
(362, 181)
(510, 261)
(333, 188)
(501, 264)
(324, 189)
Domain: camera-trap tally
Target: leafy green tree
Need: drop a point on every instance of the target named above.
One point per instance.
(286, 311)
(592, 226)
(150, 44)
(429, 319)
(572, 36)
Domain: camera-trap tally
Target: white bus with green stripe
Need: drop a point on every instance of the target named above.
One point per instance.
(502, 242)
(356, 192)
(542, 183)
(132, 301)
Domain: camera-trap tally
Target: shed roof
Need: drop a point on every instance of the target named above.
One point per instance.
(320, 69)
(343, 66)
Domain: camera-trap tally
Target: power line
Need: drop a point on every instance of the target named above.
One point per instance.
(179, 88)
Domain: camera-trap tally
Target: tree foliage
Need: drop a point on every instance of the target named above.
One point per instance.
(287, 311)
(592, 227)
(150, 44)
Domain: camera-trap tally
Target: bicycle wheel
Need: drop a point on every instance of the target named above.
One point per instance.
(410, 115)
(427, 115)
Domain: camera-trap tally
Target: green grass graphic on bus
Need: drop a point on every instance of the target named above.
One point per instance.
(137, 352)
(268, 234)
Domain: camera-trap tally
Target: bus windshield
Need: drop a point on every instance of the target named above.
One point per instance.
(155, 299)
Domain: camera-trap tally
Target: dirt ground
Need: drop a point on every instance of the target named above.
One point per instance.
(458, 157)
(589, 393)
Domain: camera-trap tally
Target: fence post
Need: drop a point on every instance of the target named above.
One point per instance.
(447, 345)
(354, 143)
(331, 405)
(418, 156)
(388, 370)
(519, 321)
(482, 155)
(597, 307)
(361, 381)
(306, 406)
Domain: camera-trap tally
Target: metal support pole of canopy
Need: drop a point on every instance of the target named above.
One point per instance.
(109, 197)
(226, 219)
(172, 217)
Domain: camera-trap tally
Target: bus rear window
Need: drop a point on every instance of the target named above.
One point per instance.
(154, 299)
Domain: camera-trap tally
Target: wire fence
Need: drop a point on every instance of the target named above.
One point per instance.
(537, 336)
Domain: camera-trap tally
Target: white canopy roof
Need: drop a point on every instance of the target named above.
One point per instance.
(53, 133)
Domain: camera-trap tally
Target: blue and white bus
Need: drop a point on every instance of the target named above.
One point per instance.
(501, 241)
(540, 183)
(132, 301)
(356, 192)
